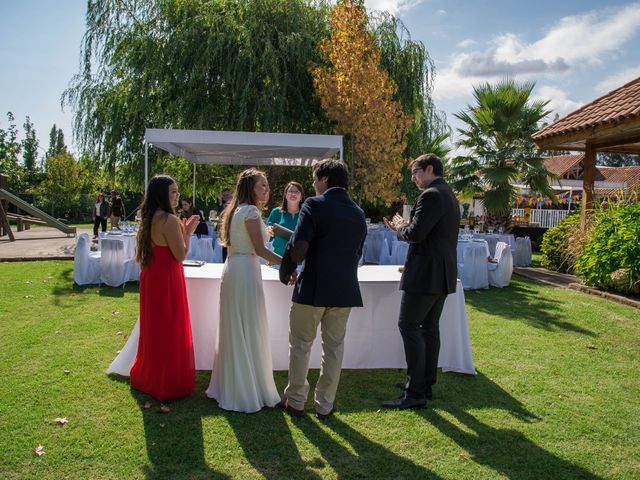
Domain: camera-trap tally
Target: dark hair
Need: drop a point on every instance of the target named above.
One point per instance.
(244, 194)
(156, 198)
(285, 206)
(334, 170)
(423, 161)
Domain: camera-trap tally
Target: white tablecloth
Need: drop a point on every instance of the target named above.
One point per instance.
(372, 339)
(128, 239)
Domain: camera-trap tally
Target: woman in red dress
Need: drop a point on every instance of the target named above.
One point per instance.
(164, 366)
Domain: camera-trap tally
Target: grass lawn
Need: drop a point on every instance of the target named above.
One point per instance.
(557, 395)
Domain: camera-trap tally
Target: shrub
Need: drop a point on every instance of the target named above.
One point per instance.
(559, 245)
(611, 258)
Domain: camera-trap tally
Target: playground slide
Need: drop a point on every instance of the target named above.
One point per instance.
(36, 212)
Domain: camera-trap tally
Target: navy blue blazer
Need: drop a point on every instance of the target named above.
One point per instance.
(335, 228)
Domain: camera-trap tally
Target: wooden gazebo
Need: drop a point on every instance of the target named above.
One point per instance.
(610, 123)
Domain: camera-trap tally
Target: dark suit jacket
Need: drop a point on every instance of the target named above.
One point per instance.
(431, 265)
(335, 228)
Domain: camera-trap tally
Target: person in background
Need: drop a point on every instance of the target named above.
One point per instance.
(164, 366)
(188, 210)
(101, 213)
(287, 214)
(223, 200)
(117, 209)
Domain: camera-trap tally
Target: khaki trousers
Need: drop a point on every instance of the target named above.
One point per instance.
(115, 221)
(303, 328)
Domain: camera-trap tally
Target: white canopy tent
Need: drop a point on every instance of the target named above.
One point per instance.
(241, 148)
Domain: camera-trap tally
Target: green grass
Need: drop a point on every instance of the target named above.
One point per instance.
(556, 396)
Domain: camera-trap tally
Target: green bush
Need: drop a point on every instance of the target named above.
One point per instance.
(611, 258)
(557, 245)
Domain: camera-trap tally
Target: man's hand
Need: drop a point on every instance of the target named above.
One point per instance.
(396, 222)
(293, 278)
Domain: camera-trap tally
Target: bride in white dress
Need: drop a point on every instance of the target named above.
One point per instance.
(242, 376)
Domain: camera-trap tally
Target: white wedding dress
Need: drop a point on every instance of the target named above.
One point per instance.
(242, 376)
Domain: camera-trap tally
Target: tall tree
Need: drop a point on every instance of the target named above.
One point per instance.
(30, 147)
(358, 95)
(497, 133)
(618, 160)
(9, 151)
(56, 142)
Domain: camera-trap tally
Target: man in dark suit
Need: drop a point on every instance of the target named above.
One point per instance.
(430, 274)
(329, 237)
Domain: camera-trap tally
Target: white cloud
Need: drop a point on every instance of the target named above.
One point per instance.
(466, 43)
(617, 80)
(560, 103)
(573, 41)
(441, 12)
(392, 6)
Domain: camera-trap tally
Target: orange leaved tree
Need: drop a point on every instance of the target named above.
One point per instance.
(358, 96)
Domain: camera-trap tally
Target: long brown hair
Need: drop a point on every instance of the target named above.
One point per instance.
(156, 198)
(285, 205)
(243, 194)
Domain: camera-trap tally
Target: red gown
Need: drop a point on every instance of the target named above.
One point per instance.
(164, 366)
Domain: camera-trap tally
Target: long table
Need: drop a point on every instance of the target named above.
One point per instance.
(372, 339)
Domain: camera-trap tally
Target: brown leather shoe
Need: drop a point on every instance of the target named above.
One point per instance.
(324, 416)
(294, 412)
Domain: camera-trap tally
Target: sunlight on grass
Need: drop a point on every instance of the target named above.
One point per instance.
(556, 396)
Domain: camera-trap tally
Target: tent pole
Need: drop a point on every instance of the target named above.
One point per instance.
(193, 199)
(146, 165)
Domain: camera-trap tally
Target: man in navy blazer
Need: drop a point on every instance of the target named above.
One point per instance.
(429, 275)
(329, 237)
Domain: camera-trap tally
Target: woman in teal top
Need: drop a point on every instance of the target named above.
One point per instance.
(287, 214)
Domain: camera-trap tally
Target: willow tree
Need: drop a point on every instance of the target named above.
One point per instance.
(198, 64)
(358, 96)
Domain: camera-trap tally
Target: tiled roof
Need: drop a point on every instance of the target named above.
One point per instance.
(631, 175)
(561, 164)
(616, 106)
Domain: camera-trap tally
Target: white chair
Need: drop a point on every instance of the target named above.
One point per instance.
(399, 250)
(522, 255)
(205, 249)
(385, 254)
(194, 251)
(217, 251)
(86, 264)
(114, 267)
(474, 272)
(134, 271)
(500, 272)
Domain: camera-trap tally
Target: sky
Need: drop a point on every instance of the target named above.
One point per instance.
(575, 51)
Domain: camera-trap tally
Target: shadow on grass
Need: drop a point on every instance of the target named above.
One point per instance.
(66, 286)
(521, 301)
(508, 452)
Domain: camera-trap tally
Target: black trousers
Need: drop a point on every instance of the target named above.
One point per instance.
(99, 221)
(419, 324)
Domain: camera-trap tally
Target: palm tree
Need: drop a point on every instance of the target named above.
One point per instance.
(498, 136)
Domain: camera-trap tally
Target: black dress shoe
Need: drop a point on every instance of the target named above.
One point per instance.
(405, 402)
(324, 416)
(403, 387)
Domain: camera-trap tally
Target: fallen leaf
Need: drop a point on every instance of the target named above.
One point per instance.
(39, 450)
(591, 346)
(118, 332)
(28, 296)
(118, 352)
(162, 425)
(61, 421)
(164, 409)
(66, 372)
(147, 405)
(115, 312)
(28, 282)
(125, 336)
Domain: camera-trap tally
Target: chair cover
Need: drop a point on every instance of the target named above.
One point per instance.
(205, 249)
(500, 276)
(522, 255)
(385, 253)
(217, 251)
(86, 264)
(114, 267)
(399, 251)
(193, 253)
(474, 273)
